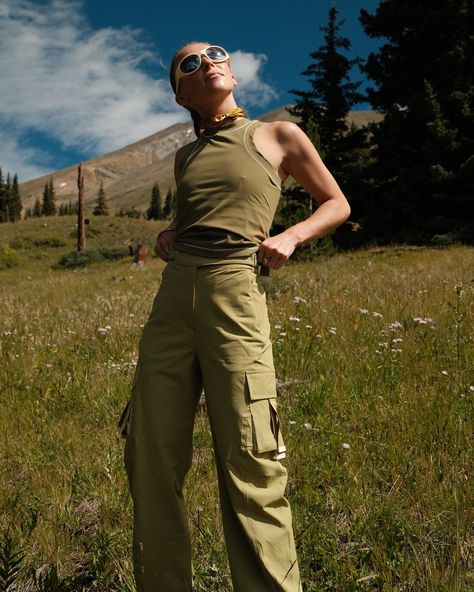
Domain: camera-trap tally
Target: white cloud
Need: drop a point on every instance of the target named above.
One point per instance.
(250, 88)
(25, 161)
(84, 88)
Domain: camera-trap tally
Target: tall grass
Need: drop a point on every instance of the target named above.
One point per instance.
(374, 354)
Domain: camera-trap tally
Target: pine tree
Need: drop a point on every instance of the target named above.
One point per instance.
(3, 203)
(155, 212)
(323, 112)
(167, 206)
(423, 174)
(37, 208)
(15, 201)
(324, 108)
(169, 209)
(7, 199)
(101, 208)
(48, 206)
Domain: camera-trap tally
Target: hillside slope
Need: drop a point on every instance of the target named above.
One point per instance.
(129, 173)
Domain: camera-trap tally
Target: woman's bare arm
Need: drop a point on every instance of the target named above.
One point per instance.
(296, 156)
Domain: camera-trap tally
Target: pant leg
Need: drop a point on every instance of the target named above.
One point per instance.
(239, 380)
(158, 447)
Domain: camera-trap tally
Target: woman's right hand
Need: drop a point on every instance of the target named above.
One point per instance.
(164, 243)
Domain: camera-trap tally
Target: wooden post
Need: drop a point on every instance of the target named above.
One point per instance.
(141, 253)
(81, 232)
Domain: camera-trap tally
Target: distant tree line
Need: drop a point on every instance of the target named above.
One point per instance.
(10, 199)
(409, 177)
(159, 209)
(47, 205)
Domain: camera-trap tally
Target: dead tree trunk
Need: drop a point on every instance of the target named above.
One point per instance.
(81, 231)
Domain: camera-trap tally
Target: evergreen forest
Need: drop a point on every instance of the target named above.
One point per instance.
(410, 177)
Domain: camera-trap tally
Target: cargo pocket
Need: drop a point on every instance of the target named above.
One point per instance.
(264, 434)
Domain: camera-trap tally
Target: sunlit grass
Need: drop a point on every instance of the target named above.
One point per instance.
(373, 352)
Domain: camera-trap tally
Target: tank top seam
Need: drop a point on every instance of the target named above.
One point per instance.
(272, 173)
(191, 154)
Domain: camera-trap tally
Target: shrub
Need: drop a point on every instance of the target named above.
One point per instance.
(445, 240)
(84, 258)
(29, 242)
(8, 257)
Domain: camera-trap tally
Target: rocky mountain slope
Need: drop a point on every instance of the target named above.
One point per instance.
(129, 173)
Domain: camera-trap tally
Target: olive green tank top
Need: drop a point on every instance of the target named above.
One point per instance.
(227, 193)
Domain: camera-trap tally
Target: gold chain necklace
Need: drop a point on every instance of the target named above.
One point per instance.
(233, 114)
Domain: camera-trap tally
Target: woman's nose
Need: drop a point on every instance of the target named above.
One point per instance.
(206, 61)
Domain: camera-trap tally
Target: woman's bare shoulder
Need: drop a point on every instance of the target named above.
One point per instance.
(282, 130)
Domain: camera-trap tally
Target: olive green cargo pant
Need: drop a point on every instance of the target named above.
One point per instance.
(208, 327)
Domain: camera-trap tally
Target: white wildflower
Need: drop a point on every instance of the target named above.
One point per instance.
(423, 320)
(346, 446)
(377, 314)
(444, 372)
(296, 319)
(308, 426)
(363, 311)
(298, 299)
(332, 330)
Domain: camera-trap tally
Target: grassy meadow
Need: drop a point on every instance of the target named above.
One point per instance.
(374, 355)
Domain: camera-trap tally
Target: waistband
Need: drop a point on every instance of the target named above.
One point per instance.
(182, 258)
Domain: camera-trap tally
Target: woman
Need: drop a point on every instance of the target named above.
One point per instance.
(209, 328)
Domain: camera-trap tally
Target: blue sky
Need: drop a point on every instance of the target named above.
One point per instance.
(83, 77)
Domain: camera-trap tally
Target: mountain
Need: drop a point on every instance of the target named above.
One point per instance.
(129, 173)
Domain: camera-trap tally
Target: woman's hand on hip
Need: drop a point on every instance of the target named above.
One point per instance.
(276, 250)
(164, 243)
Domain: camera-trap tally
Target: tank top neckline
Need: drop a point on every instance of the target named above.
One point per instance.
(210, 132)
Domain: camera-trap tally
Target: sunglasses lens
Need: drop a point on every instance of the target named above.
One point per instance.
(216, 53)
(190, 63)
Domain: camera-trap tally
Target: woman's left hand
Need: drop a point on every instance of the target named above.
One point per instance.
(276, 250)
